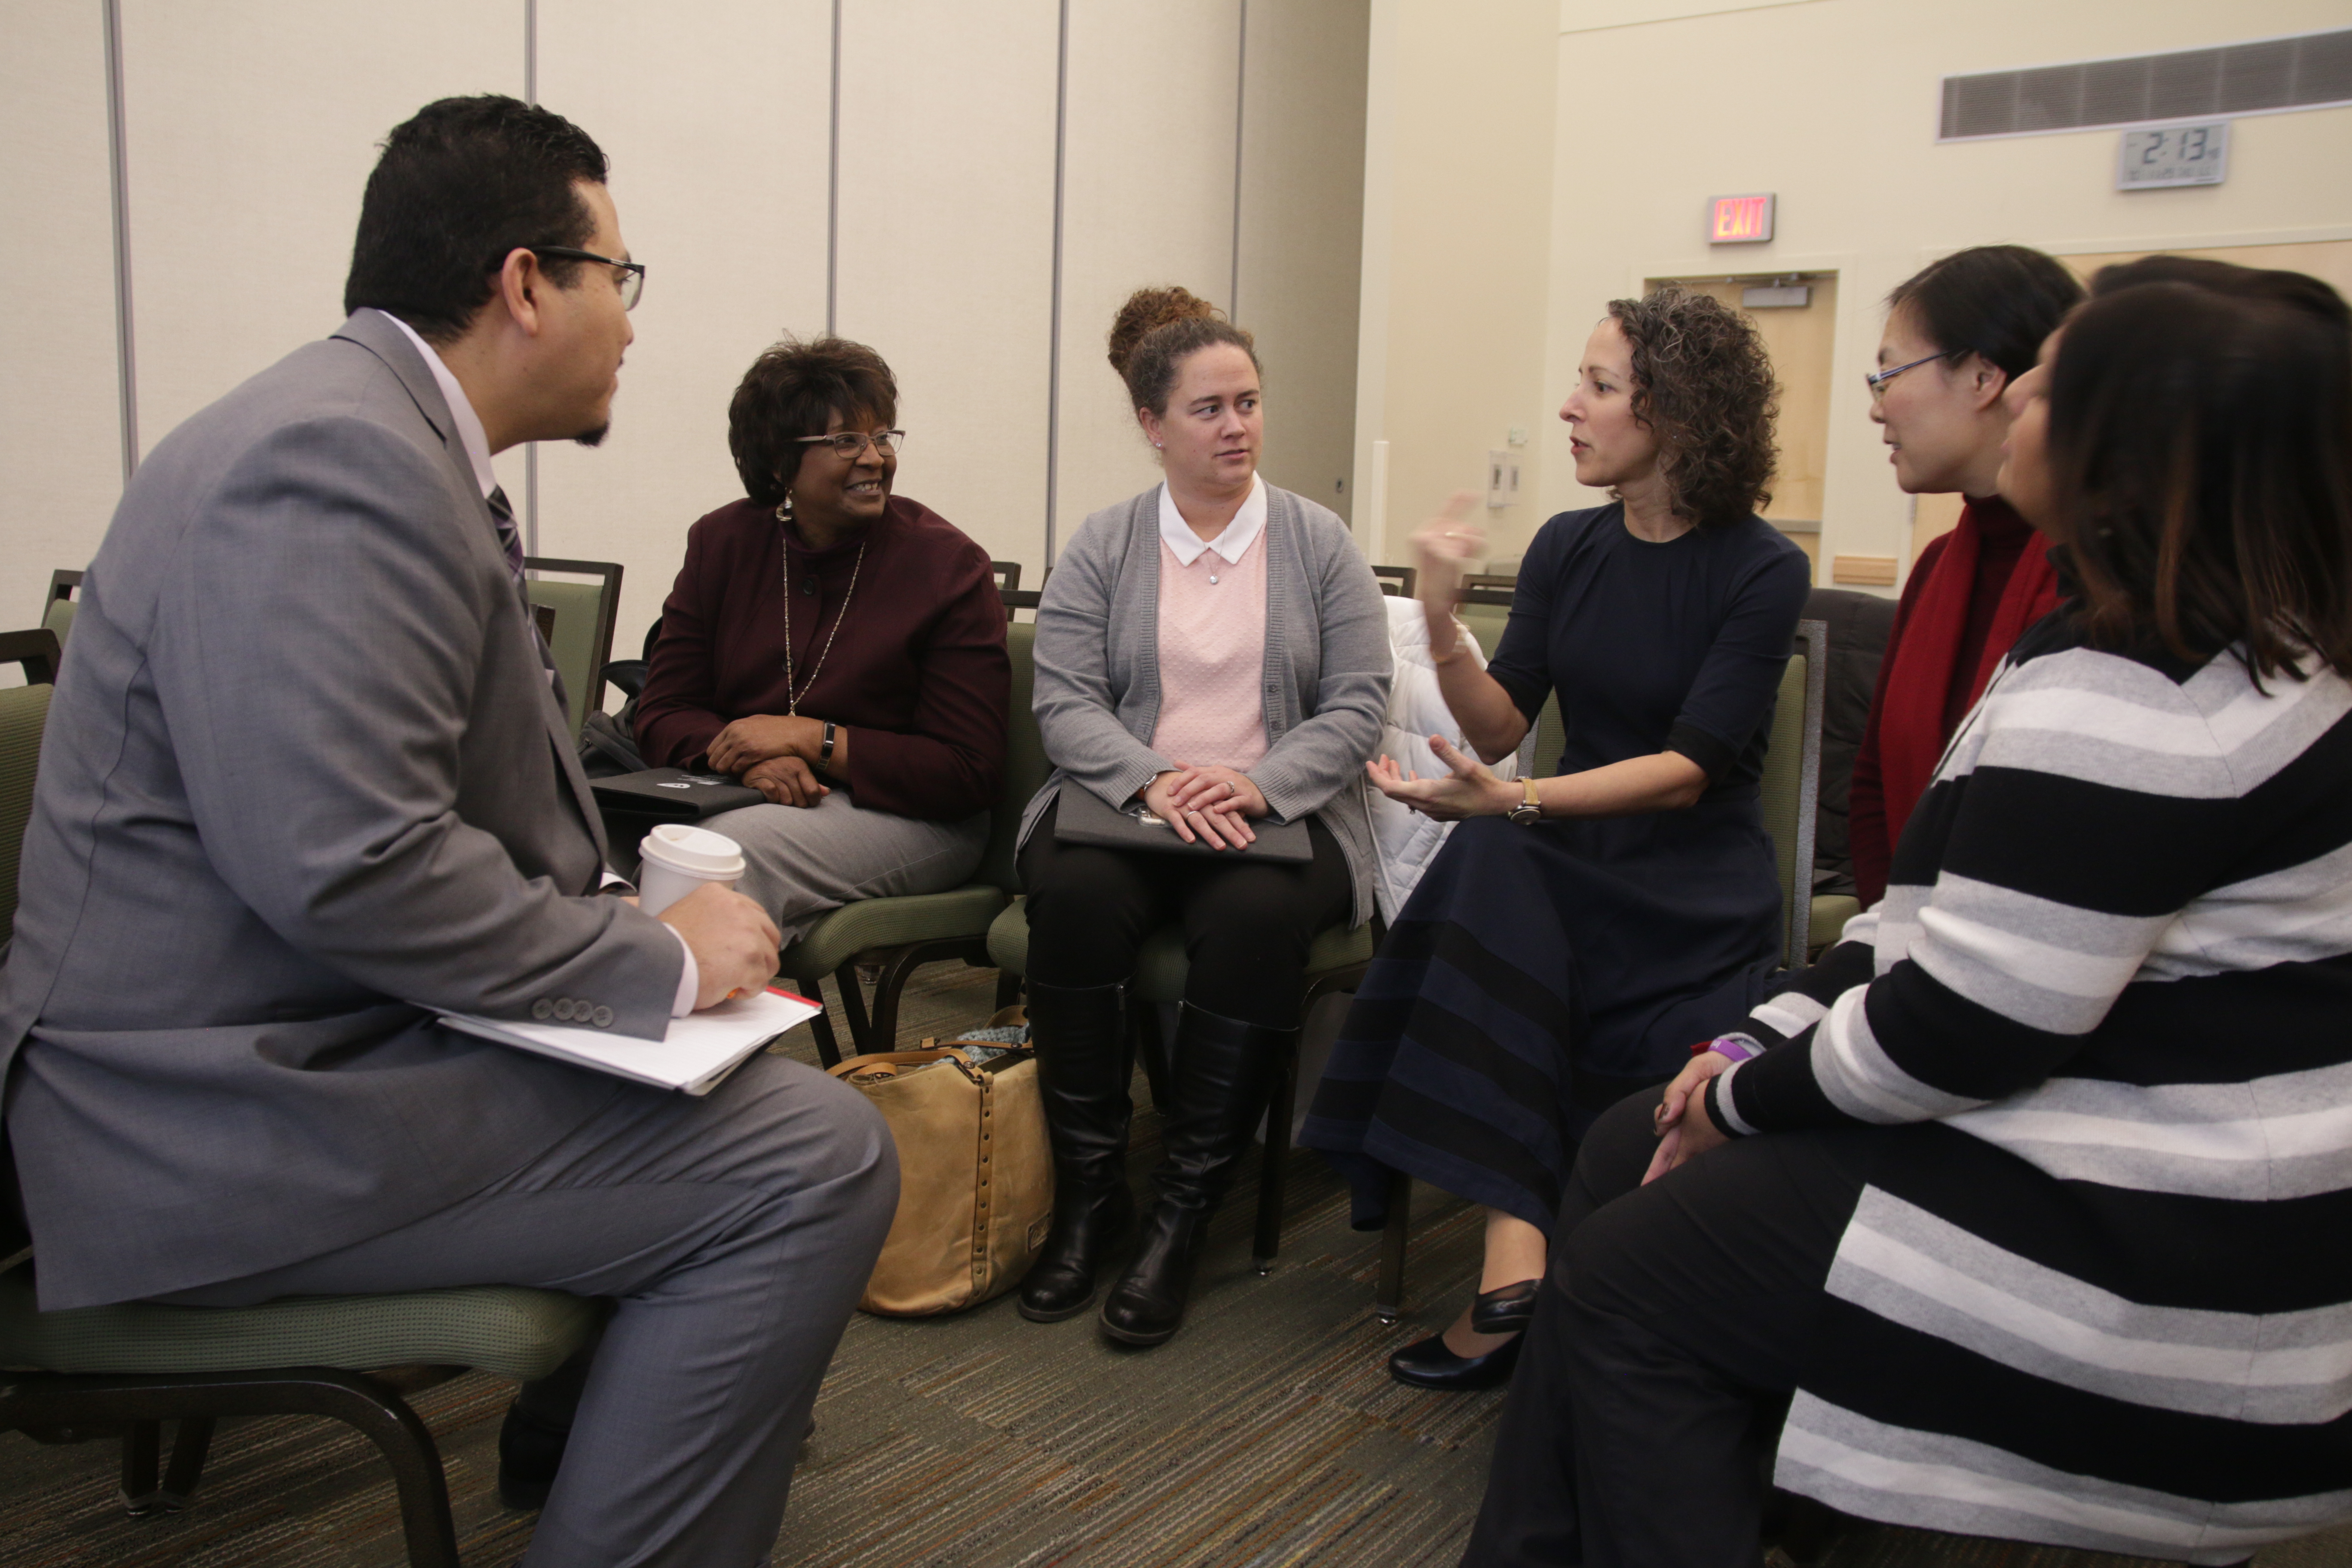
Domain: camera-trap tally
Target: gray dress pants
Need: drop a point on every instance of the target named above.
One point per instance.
(803, 860)
(734, 1234)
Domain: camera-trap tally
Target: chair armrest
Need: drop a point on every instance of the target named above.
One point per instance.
(629, 675)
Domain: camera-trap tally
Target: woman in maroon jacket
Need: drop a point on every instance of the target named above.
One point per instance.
(839, 649)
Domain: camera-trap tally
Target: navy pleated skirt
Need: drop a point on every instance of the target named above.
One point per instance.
(1536, 976)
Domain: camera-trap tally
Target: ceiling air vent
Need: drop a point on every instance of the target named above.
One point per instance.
(2306, 72)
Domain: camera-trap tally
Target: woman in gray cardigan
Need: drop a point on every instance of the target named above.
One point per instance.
(1213, 650)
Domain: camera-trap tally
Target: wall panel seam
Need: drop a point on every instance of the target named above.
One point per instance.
(1241, 112)
(1054, 311)
(118, 148)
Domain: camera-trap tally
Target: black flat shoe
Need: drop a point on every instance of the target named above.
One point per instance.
(1505, 1309)
(1427, 1363)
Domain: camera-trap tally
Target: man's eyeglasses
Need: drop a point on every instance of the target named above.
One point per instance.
(850, 443)
(629, 274)
(1879, 378)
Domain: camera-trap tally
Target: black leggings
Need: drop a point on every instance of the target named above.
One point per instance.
(1667, 1340)
(1247, 923)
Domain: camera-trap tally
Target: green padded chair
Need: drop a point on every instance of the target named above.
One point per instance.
(57, 609)
(901, 934)
(102, 1371)
(581, 643)
(1791, 790)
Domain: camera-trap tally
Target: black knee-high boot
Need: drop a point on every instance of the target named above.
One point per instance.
(1220, 1079)
(1083, 1065)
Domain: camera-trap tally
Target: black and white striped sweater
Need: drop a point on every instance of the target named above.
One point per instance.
(2102, 1296)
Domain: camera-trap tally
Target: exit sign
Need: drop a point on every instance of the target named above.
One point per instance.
(1739, 220)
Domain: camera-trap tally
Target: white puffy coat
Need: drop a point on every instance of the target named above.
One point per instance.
(1404, 840)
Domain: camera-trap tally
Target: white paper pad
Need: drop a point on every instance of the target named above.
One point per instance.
(699, 1049)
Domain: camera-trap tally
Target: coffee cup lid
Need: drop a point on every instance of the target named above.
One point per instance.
(695, 850)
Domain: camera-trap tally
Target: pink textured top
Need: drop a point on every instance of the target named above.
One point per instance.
(1212, 638)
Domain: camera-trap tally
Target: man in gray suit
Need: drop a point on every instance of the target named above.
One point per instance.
(307, 778)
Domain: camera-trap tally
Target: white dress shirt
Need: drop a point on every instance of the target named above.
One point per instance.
(478, 452)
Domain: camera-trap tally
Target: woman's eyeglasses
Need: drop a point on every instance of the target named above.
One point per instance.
(1879, 378)
(850, 443)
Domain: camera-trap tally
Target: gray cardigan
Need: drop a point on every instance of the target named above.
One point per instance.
(1326, 668)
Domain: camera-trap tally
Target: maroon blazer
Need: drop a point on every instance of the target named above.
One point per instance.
(917, 672)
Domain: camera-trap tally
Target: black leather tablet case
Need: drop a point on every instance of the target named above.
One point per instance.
(671, 794)
(1081, 817)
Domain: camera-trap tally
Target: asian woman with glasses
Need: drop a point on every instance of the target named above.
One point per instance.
(838, 648)
(1956, 336)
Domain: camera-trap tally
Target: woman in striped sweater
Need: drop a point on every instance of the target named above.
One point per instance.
(2030, 1205)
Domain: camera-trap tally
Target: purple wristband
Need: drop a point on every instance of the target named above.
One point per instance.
(1738, 1047)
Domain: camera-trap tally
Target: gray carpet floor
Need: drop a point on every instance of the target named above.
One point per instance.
(1266, 1433)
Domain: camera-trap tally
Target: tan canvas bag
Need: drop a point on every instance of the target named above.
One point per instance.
(976, 1175)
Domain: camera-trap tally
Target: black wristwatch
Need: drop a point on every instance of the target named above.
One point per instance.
(1529, 811)
(824, 746)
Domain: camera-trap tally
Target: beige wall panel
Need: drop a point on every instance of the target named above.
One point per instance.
(1302, 210)
(1457, 186)
(1148, 198)
(251, 132)
(61, 433)
(716, 117)
(1864, 190)
(946, 246)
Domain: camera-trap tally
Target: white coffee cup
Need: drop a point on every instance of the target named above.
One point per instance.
(679, 859)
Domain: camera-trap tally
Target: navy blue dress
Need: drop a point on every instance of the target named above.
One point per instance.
(1539, 974)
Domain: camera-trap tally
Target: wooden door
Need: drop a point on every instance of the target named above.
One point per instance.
(1802, 341)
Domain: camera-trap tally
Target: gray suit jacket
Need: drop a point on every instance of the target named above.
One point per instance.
(302, 773)
(1326, 682)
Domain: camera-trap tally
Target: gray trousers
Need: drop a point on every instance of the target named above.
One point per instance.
(803, 860)
(734, 1234)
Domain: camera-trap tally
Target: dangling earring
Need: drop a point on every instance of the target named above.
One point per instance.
(785, 507)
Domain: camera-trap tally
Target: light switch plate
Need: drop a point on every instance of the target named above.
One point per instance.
(1502, 478)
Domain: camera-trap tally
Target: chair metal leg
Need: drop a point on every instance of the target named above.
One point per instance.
(190, 1448)
(141, 1448)
(41, 1399)
(1008, 989)
(1388, 1295)
(1273, 1167)
(828, 1049)
(853, 1006)
(896, 970)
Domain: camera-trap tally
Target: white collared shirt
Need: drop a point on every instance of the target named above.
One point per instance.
(469, 424)
(1230, 545)
(477, 442)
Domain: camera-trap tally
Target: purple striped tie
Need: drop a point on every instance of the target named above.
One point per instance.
(510, 536)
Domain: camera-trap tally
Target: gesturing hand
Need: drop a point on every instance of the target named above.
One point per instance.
(759, 737)
(1684, 1129)
(786, 781)
(1216, 827)
(1441, 548)
(1469, 789)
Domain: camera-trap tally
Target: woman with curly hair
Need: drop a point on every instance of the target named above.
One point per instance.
(1569, 944)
